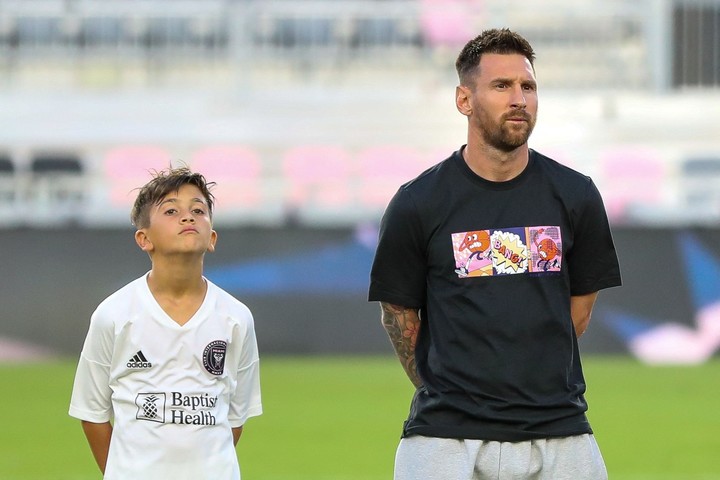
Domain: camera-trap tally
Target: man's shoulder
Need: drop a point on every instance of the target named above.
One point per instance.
(557, 169)
(432, 178)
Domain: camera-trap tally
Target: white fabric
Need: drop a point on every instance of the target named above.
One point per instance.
(172, 414)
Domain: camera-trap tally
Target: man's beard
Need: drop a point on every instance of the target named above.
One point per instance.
(506, 136)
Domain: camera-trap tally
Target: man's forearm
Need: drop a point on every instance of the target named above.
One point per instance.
(402, 326)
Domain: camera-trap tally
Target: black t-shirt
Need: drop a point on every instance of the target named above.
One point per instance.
(492, 267)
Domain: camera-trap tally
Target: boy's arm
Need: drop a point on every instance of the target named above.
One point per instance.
(98, 436)
(237, 431)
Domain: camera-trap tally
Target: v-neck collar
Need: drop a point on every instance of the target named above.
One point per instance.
(162, 316)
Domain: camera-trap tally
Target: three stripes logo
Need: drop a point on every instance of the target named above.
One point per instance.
(138, 361)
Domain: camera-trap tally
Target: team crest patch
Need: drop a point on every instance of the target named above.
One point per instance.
(214, 357)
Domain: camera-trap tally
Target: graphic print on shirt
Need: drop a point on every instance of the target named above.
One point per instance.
(507, 251)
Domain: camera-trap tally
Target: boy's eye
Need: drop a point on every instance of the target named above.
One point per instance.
(170, 211)
(199, 211)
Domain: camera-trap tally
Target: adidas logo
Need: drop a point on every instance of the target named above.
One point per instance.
(138, 361)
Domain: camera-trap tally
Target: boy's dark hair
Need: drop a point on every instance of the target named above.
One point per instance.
(502, 41)
(163, 183)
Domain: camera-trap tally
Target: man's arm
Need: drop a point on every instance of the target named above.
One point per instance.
(580, 310)
(98, 436)
(402, 326)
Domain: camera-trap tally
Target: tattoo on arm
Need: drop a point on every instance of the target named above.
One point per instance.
(402, 326)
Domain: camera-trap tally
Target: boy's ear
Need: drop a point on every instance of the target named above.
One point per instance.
(143, 241)
(213, 241)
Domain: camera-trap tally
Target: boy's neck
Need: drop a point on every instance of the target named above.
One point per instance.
(178, 289)
(172, 274)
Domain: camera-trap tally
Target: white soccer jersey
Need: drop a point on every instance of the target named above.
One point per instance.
(173, 391)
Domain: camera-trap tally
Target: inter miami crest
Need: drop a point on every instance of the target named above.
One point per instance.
(214, 357)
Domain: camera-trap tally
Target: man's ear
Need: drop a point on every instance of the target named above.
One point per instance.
(213, 241)
(143, 241)
(462, 100)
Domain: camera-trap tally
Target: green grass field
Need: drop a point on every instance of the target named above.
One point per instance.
(339, 418)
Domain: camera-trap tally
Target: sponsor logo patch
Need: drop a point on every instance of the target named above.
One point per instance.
(151, 407)
(177, 408)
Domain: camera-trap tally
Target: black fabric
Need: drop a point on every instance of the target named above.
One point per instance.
(497, 351)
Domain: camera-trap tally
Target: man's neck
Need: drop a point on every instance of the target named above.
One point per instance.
(494, 165)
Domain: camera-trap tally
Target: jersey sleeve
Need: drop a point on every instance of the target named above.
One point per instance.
(91, 395)
(593, 262)
(246, 401)
(399, 269)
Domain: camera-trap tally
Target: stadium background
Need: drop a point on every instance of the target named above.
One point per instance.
(308, 115)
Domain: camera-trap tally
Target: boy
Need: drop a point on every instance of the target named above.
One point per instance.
(170, 357)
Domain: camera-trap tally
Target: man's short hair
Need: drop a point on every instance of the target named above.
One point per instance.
(502, 41)
(163, 183)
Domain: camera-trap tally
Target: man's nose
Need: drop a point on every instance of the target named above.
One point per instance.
(518, 98)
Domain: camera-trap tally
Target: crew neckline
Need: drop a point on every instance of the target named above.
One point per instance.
(489, 184)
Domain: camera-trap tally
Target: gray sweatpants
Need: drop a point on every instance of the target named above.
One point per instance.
(567, 458)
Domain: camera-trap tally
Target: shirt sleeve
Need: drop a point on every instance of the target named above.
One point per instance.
(593, 261)
(91, 395)
(399, 269)
(246, 400)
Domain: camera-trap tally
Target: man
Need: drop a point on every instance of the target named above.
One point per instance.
(487, 269)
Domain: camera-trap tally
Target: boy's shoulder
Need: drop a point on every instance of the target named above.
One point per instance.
(228, 304)
(118, 304)
(122, 295)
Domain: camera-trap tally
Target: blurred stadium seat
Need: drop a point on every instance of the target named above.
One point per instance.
(700, 183)
(236, 171)
(448, 23)
(10, 214)
(319, 182)
(319, 177)
(246, 190)
(57, 188)
(383, 169)
(7, 181)
(127, 168)
(631, 178)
